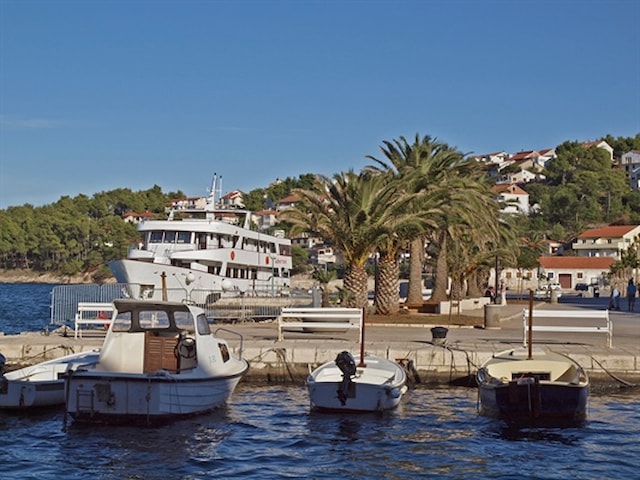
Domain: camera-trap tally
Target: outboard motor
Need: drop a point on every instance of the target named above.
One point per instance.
(347, 365)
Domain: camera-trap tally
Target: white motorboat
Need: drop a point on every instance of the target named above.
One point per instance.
(348, 385)
(40, 385)
(159, 361)
(209, 247)
(518, 384)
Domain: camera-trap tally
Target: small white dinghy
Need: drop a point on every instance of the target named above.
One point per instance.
(348, 385)
(367, 383)
(40, 385)
(159, 361)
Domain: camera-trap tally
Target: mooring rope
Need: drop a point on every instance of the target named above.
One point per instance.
(617, 379)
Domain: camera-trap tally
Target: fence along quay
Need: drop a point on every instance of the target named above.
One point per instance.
(453, 360)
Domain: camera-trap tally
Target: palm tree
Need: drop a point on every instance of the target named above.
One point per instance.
(324, 277)
(352, 212)
(425, 168)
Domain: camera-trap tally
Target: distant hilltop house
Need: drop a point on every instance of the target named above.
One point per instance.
(288, 202)
(630, 162)
(188, 203)
(600, 144)
(133, 217)
(232, 199)
(515, 199)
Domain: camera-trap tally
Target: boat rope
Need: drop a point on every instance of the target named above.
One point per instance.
(617, 379)
(281, 354)
(67, 392)
(148, 399)
(470, 363)
(410, 368)
(27, 360)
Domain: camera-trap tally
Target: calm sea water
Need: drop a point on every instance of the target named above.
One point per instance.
(268, 432)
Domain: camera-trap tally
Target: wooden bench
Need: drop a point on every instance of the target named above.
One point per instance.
(309, 319)
(606, 327)
(92, 313)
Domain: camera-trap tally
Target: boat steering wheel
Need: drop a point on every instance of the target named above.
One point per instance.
(186, 347)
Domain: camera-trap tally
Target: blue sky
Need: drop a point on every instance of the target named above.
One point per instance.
(97, 95)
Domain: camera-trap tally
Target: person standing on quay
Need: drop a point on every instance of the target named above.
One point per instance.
(614, 300)
(631, 295)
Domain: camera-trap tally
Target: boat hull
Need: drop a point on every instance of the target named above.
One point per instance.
(377, 387)
(534, 400)
(541, 385)
(41, 385)
(151, 398)
(148, 279)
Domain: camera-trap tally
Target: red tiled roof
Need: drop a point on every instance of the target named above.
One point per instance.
(134, 214)
(593, 263)
(610, 231)
(512, 188)
(524, 155)
(289, 199)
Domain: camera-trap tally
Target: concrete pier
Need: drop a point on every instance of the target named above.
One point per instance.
(453, 360)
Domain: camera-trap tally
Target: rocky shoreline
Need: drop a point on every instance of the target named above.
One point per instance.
(30, 276)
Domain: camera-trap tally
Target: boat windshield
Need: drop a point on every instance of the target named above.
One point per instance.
(152, 319)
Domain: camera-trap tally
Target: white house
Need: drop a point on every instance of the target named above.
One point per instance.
(630, 162)
(515, 198)
(609, 241)
(600, 144)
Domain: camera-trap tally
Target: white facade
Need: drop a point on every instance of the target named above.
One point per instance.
(630, 162)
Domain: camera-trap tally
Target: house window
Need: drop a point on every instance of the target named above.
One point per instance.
(580, 276)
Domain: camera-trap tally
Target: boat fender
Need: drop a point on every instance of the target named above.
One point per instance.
(186, 347)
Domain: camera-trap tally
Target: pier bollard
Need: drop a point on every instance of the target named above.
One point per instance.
(554, 296)
(492, 315)
(439, 335)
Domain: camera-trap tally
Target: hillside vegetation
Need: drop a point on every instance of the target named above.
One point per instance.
(80, 235)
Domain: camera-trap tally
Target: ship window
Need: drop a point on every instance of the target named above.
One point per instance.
(170, 237)
(184, 237)
(155, 237)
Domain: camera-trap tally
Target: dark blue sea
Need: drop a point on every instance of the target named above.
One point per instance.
(268, 432)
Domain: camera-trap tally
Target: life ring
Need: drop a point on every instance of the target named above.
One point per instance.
(232, 255)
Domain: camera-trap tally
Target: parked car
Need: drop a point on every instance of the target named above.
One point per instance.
(582, 287)
(554, 286)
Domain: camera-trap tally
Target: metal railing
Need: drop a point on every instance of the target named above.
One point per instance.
(219, 306)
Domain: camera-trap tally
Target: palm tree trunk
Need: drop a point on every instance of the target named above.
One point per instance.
(355, 283)
(416, 261)
(442, 273)
(387, 298)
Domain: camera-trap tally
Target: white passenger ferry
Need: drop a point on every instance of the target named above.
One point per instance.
(210, 248)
